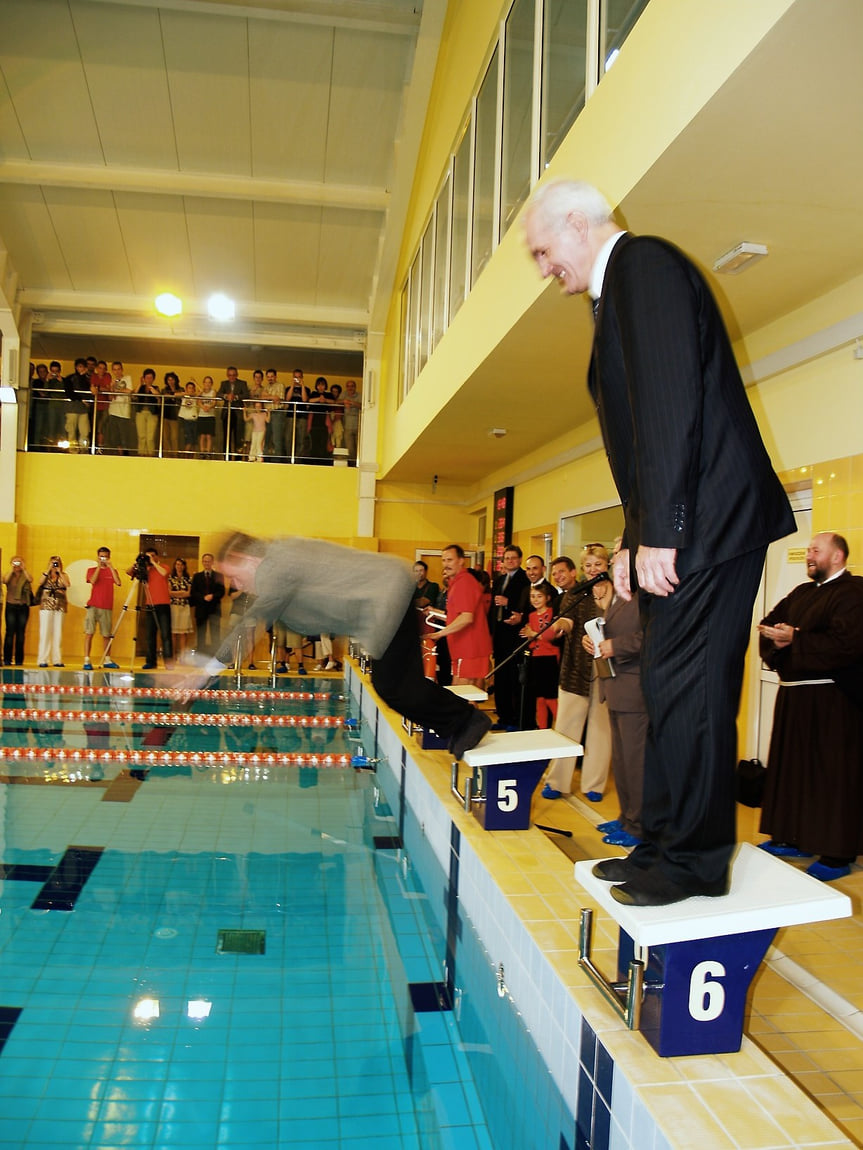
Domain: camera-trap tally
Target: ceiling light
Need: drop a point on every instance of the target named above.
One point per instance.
(220, 307)
(496, 432)
(168, 304)
(739, 258)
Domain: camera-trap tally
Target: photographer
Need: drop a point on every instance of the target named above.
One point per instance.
(102, 579)
(51, 593)
(19, 596)
(157, 603)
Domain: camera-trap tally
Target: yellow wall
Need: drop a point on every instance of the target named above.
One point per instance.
(676, 57)
(73, 504)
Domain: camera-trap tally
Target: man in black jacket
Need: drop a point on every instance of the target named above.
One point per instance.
(701, 502)
(509, 606)
(205, 599)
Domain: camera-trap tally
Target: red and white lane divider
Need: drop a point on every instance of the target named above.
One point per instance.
(175, 718)
(103, 692)
(180, 758)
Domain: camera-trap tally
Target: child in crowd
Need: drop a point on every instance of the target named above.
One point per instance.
(543, 664)
(188, 416)
(259, 419)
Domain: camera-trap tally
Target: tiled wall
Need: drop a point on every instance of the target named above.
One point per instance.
(581, 1068)
(622, 1095)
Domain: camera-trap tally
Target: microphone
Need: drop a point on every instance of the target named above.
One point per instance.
(602, 577)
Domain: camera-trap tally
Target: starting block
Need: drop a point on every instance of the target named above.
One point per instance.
(506, 769)
(684, 970)
(430, 740)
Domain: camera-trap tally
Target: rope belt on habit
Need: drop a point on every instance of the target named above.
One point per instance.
(808, 683)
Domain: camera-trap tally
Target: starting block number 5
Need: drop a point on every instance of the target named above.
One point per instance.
(706, 995)
(507, 795)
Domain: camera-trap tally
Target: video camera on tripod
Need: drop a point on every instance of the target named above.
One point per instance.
(141, 567)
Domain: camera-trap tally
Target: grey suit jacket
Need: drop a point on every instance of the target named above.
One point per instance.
(684, 447)
(623, 627)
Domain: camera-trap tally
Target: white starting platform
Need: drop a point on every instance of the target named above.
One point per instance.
(684, 970)
(430, 740)
(506, 768)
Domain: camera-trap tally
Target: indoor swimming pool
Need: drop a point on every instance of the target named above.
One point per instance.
(202, 947)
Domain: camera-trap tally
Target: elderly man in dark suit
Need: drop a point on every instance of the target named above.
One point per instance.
(701, 502)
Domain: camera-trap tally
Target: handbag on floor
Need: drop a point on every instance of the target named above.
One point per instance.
(750, 776)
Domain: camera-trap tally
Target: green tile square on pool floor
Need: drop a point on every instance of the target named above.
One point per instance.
(241, 942)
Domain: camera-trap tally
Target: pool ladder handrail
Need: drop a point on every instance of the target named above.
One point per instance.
(627, 997)
(467, 798)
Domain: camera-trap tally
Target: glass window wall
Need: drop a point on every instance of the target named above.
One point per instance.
(483, 230)
(517, 163)
(460, 197)
(564, 60)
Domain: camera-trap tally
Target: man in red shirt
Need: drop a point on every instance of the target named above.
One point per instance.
(100, 606)
(157, 608)
(466, 630)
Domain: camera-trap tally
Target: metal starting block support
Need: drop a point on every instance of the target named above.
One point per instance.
(506, 768)
(699, 956)
(430, 740)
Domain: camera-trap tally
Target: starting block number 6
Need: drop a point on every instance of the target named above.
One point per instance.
(706, 996)
(507, 795)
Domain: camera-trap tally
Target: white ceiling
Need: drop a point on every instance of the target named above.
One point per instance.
(264, 148)
(198, 146)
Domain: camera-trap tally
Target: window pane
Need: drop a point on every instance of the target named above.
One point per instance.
(425, 302)
(405, 330)
(563, 69)
(439, 318)
(482, 236)
(458, 259)
(517, 107)
(620, 17)
(412, 324)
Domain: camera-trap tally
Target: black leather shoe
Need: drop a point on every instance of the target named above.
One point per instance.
(476, 729)
(654, 889)
(616, 870)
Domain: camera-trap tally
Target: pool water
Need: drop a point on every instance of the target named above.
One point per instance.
(205, 948)
(223, 957)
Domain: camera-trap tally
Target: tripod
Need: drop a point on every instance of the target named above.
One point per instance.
(123, 610)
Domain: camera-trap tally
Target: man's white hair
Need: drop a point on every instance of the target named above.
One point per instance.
(557, 198)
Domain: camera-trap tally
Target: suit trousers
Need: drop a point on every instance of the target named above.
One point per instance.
(628, 735)
(692, 662)
(572, 713)
(399, 678)
(507, 687)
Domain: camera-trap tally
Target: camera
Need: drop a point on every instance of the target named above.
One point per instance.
(16, 562)
(142, 566)
(55, 562)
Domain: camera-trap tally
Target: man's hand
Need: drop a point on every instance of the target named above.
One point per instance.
(621, 575)
(655, 567)
(780, 635)
(514, 619)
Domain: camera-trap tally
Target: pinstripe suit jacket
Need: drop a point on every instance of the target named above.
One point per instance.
(684, 448)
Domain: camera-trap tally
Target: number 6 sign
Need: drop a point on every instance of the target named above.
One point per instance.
(695, 991)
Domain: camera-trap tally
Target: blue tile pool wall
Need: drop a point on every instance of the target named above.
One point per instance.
(523, 1107)
(449, 1113)
(546, 1008)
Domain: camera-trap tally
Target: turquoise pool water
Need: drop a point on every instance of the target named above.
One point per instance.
(238, 954)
